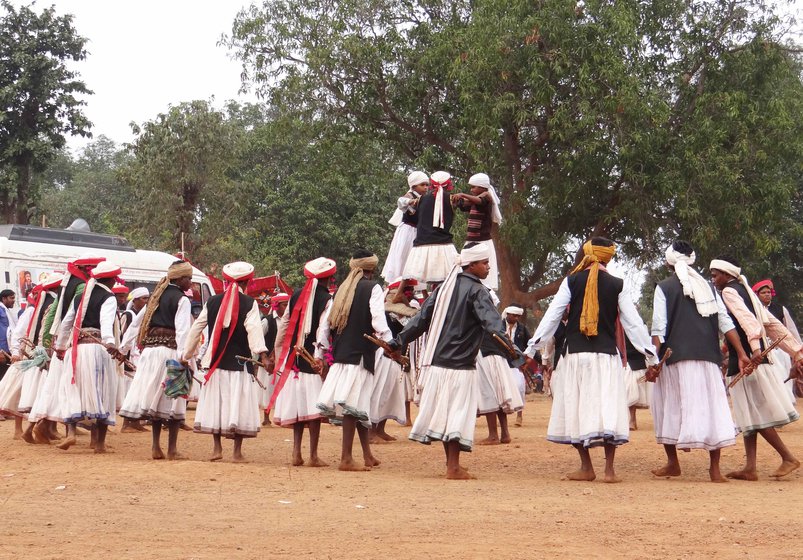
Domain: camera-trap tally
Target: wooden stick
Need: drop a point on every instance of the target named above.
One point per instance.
(310, 359)
(749, 369)
(123, 361)
(667, 354)
(253, 374)
(503, 343)
(395, 356)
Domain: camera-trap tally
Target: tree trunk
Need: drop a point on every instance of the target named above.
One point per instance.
(510, 279)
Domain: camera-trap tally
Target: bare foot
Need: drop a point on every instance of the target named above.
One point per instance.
(216, 456)
(386, 437)
(506, 439)
(351, 466)
(266, 422)
(17, 436)
(581, 475)
(40, 436)
(611, 479)
(239, 459)
(459, 474)
(185, 427)
(298, 461)
(27, 436)
(140, 428)
(176, 457)
(743, 475)
(519, 420)
(667, 470)
(633, 426)
(101, 449)
(67, 443)
(786, 468)
(129, 429)
(408, 424)
(157, 454)
(315, 462)
(489, 441)
(372, 461)
(716, 476)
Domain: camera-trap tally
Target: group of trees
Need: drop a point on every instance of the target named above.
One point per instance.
(639, 121)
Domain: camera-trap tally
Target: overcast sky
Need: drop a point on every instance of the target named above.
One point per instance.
(146, 54)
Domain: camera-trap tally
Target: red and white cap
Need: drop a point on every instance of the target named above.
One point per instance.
(120, 289)
(320, 268)
(106, 269)
(52, 280)
(88, 259)
(396, 283)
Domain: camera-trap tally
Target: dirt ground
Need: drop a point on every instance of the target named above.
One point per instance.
(74, 504)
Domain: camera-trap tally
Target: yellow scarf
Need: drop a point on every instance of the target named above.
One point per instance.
(593, 255)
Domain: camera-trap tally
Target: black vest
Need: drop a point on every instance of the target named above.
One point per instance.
(350, 346)
(238, 345)
(608, 289)
(733, 359)
(777, 311)
(92, 314)
(165, 314)
(635, 359)
(126, 318)
(690, 335)
(560, 344)
(42, 314)
(412, 219)
(322, 296)
(271, 332)
(425, 233)
(67, 296)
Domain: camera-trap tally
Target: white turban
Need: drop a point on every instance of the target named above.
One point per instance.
(483, 181)
(139, 292)
(694, 285)
(512, 310)
(726, 267)
(417, 178)
(478, 252)
(736, 272)
(237, 271)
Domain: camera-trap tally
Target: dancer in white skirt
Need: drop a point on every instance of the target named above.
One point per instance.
(405, 218)
(482, 206)
(137, 300)
(433, 253)
(689, 405)
(765, 290)
(498, 392)
(46, 409)
(228, 405)
(89, 382)
(270, 328)
(518, 333)
(590, 400)
(357, 310)
(299, 382)
(760, 402)
(160, 329)
(20, 385)
(454, 317)
(638, 390)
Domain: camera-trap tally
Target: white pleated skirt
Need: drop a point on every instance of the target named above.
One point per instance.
(497, 386)
(32, 382)
(146, 397)
(784, 363)
(93, 396)
(298, 399)
(347, 390)
(10, 390)
(229, 405)
(267, 393)
(399, 250)
(690, 407)
(589, 405)
(448, 408)
(761, 401)
(639, 394)
(492, 280)
(430, 263)
(47, 405)
(387, 396)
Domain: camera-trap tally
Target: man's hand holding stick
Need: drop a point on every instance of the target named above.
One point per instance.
(111, 349)
(754, 363)
(654, 371)
(390, 352)
(316, 365)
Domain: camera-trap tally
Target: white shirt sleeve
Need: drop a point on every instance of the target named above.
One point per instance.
(63, 337)
(281, 331)
(724, 319)
(635, 329)
(108, 315)
(253, 326)
(194, 336)
(789, 323)
(322, 334)
(378, 320)
(132, 332)
(404, 204)
(551, 320)
(659, 317)
(19, 331)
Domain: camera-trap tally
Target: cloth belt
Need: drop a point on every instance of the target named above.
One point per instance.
(160, 336)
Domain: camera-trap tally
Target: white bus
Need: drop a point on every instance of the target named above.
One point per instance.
(28, 252)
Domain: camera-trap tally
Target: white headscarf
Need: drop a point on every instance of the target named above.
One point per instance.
(136, 293)
(736, 272)
(442, 180)
(694, 285)
(483, 181)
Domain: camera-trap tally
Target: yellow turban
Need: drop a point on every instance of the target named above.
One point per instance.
(592, 256)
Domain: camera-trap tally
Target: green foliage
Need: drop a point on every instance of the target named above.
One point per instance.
(37, 97)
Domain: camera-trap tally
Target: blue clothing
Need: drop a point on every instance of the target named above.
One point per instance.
(4, 324)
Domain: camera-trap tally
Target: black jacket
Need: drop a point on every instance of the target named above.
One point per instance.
(471, 312)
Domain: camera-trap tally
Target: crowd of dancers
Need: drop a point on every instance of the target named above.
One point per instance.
(86, 350)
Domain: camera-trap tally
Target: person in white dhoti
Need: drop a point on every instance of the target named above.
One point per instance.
(160, 329)
(760, 402)
(689, 404)
(91, 366)
(270, 328)
(137, 300)
(295, 396)
(229, 401)
(454, 317)
(590, 402)
(405, 218)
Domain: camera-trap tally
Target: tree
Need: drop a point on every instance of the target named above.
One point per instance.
(585, 114)
(38, 104)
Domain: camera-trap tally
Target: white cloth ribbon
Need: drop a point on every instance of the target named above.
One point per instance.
(694, 285)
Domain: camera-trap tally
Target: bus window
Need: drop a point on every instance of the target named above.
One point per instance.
(205, 293)
(196, 293)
